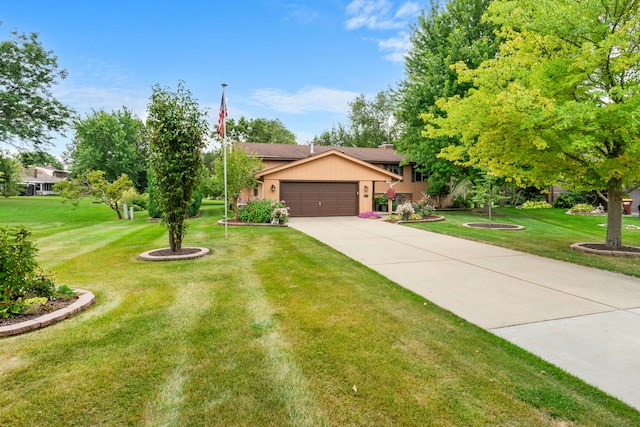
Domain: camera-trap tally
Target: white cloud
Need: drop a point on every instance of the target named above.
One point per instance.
(308, 99)
(380, 15)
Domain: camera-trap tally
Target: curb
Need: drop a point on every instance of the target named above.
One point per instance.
(85, 299)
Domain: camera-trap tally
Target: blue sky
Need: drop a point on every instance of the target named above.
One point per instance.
(299, 61)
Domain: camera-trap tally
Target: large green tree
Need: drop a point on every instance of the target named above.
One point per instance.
(560, 103)
(177, 136)
(443, 35)
(259, 130)
(10, 175)
(371, 122)
(39, 158)
(114, 143)
(29, 112)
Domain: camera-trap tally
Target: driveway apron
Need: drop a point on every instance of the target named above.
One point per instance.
(584, 320)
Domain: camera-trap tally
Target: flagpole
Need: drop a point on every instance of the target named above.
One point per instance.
(223, 116)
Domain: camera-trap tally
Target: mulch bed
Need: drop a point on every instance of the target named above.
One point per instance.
(603, 247)
(169, 252)
(49, 307)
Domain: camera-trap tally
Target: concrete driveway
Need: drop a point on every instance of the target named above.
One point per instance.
(584, 320)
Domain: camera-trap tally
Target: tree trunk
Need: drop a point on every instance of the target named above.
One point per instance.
(614, 214)
(175, 241)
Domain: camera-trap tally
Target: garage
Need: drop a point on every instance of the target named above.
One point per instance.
(320, 198)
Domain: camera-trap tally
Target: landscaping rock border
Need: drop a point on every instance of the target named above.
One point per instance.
(159, 255)
(600, 249)
(85, 299)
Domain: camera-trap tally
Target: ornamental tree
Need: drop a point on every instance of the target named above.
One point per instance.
(177, 136)
(560, 103)
(28, 110)
(93, 184)
(241, 169)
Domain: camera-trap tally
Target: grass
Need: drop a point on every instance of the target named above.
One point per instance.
(273, 329)
(548, 232)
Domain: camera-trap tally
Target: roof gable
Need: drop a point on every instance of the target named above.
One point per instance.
(296, 152)
(383, 173)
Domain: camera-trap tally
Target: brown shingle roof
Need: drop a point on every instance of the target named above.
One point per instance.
(297, 152)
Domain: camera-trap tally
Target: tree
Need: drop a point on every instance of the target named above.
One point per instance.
(10, 175)
(94, 184)
(177, 136)
(259, 130)
(115, 143)
(442, 37)
(29, 111)
(39, 158)
(371, 123)
(241, 169)
(559, 103)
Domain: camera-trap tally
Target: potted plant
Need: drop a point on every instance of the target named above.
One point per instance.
(280, 215)
(405, 209)
(382, 202)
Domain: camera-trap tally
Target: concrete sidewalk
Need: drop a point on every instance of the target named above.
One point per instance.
(584, 320)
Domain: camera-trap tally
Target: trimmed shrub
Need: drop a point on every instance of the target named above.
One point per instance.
(461, 203)
(532, 204)
(258, 211)
(582, 208)
(132, 198)
(570, 199)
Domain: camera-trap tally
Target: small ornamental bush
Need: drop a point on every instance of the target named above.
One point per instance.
(134, 199)
(461, 203)
(257, 211)
(393, 218)
(405, 208)
(582, 208)
(423, 208)
(280, 214)
(532, 204)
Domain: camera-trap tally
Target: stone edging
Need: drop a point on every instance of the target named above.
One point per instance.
(433, 218)
(609, 252)
(146, 256)
(85, 299)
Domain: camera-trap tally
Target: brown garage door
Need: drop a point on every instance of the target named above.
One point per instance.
(320, 198)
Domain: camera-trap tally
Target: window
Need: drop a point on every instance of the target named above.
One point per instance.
(415, 175)
(395, 168)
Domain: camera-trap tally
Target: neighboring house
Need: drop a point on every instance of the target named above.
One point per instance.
(39, 180)
(331, 181)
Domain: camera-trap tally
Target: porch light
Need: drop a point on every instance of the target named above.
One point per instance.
(366, 188)
(273, 188)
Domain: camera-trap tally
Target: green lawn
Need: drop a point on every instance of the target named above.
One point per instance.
(273, 329)
(548, 232)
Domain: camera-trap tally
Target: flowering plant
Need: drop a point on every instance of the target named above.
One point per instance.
(391, 193)
(405, 208)
(370, 214)
(280, 214)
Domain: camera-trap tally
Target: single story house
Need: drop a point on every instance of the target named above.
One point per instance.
(331, 181)
(39, 181)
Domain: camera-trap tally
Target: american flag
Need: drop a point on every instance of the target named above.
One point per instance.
(223, 115)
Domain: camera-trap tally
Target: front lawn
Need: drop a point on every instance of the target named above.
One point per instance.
(548, 232)
(272, 329)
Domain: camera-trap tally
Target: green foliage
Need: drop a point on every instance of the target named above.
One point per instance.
(177, 135)
(444, 34)
(241, 169)
(17, 262)
(438, 190)
(371, 123)
(393, 218)
(114, 143)
(558, 103)
(94, 185)
(259, 130)
(423, 208)
(131, 197)
(63, 292)
(196, 202)
(10, 175)
(569, 199)
(582, 208)
(535, 204)
(39, 158)
(41, 284)
(460, 202)
(28, 72)
(258, 211)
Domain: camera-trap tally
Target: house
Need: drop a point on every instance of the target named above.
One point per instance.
(39, 180)
(331, 181)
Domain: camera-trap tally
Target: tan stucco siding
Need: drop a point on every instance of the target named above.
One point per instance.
(330, 168)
